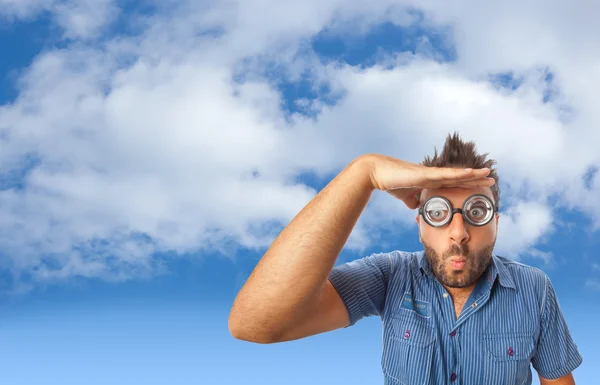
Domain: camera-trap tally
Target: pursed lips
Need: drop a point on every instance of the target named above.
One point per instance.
(458, 263)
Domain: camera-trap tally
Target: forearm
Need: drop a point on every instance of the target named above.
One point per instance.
(565, 380)
(294, 269)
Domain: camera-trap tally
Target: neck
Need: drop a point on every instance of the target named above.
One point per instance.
(462, 292)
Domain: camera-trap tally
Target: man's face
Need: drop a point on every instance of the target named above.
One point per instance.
(458, 253)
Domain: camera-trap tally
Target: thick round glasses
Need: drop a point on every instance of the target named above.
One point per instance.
(478, 210)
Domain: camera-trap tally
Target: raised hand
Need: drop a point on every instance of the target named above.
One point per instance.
(404, 180)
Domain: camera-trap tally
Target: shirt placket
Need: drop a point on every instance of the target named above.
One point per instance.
(479, 298)
(453, 333)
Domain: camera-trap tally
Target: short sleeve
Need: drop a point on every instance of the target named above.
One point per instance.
(362, 285)
(557, 354)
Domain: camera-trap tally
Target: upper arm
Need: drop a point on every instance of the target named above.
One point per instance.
(352, 291)
(565, 380)
(556, 354)
(327, 313)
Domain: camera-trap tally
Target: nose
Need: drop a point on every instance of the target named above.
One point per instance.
(458, 230)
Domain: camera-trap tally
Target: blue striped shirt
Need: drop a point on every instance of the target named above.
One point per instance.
(511, 322)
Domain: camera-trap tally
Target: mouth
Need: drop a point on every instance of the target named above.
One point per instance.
(458, 263)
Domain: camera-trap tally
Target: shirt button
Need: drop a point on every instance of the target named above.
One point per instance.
(445, 295)
(407, 335)
(453, 333)
(474, 305)
(453, 377)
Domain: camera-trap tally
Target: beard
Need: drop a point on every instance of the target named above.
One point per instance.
(476, 264)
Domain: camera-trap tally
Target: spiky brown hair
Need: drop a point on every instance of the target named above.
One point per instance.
(458, 153)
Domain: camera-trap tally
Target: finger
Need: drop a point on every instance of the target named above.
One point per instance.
(443, 173)
(412, 203)
(446, 173)
(481, 182)
(477, 174)
(487, 182)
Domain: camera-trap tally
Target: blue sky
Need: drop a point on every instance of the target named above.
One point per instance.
(149, 155)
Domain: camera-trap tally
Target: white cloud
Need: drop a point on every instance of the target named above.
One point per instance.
(150, 134)
(79, 19)
(171, 159)
(546, 256)
(84, 18)
(22, 9)
(521, 226)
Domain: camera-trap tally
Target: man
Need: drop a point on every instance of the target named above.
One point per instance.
(454, 313)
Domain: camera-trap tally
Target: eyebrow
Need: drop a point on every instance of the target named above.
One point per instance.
(421, 199)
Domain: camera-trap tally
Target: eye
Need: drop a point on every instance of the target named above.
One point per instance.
(479, 209)
(478, 212)
(437, 214)
(437, 210)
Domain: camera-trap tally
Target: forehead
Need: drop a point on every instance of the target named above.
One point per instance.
(456, 196)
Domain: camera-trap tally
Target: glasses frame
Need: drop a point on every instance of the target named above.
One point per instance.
(453, 211)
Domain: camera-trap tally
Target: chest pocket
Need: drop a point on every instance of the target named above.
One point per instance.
(507, 357)
(407, 349)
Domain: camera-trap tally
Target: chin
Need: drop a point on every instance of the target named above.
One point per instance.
(458, 281)
(460, 285)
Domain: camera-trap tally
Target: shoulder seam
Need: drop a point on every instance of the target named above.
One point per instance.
(511, 262)
(543, 307)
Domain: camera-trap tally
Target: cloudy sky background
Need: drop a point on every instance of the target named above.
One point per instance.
(150, 152)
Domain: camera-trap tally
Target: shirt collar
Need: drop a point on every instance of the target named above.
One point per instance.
(499, 269)
(423, 265)
(495, 270)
